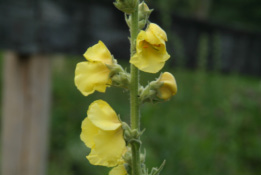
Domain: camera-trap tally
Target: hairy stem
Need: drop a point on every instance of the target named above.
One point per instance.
(134, 100)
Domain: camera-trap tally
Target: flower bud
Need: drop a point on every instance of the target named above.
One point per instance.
(126, 6)
(143, 156)
(128, 20)
(127, 157)
(144, 13)
(169, 87)
(161, 89)
(125, 126)
(131, 135)
(127, 131)
(149, 93)
(119, 77)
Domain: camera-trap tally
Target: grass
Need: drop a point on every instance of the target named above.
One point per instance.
(210, 127)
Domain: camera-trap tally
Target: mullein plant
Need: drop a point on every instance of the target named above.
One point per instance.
(114, 143)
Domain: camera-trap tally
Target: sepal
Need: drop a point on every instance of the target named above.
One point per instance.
(149, 93)
(119, 77)
(156, 171)
(131, 135)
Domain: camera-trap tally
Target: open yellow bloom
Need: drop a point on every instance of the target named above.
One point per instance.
(118, 170)
(169, 87)
(151, 53)
(102, 132)
(93, 74)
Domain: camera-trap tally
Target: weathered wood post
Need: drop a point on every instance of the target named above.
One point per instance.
(26, 107)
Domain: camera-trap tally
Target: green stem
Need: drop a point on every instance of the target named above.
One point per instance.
(134, 100)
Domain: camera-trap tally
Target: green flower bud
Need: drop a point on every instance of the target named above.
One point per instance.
(143, 156)
(149, 93)
(122, 79)
(135, 134)
(126, 6)
(119, 77)
(127, 157)
(144, 13)
(128, 20)
(127, 131)
(125, 126)
(131, 135)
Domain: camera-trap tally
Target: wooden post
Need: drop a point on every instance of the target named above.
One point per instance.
(26, 106)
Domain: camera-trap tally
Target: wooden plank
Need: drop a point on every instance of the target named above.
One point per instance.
(26, 106)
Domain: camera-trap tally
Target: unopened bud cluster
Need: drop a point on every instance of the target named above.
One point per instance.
(126, 6)
(144, 13)
(131, 135)
(119, 77)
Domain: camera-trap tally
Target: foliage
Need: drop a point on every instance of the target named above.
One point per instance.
(211, 127)
(239, 13)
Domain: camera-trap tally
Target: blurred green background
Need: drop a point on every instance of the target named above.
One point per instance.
(237, 13)
(211, 127)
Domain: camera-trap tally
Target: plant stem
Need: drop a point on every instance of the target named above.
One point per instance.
(134, 100)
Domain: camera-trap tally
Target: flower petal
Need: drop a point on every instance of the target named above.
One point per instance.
(157, 32)
(103, 116)
(98, 52)
(108, 149)
(91, 76)
(118, 170)
(89, 131)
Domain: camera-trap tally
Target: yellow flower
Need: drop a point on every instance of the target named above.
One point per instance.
(93, 74)
(118, 170)
(169, 87)
(102, 132)
(99, 52)
(151, 53)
